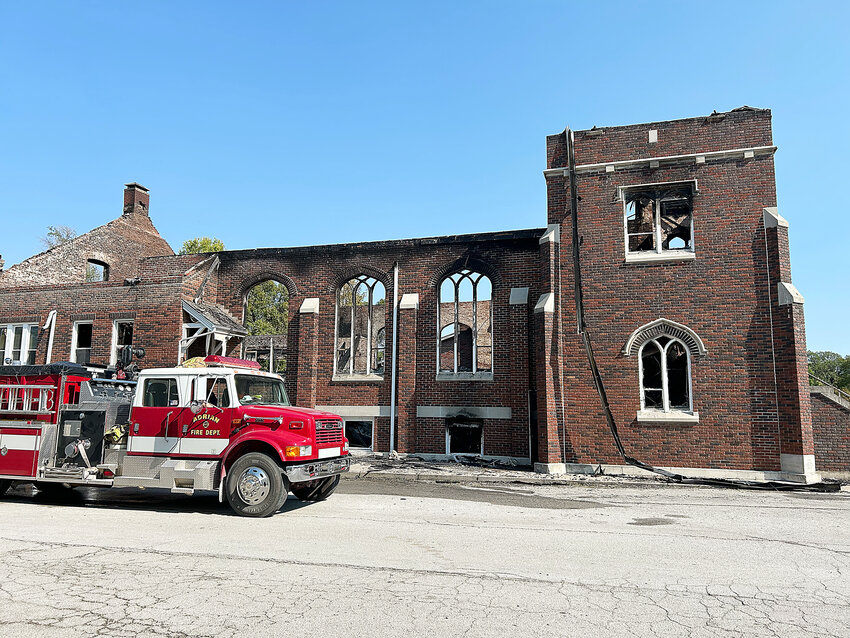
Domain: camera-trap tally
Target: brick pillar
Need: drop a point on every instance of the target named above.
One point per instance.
(405, 430)
(796, 441)
(547, 361)
(308, 352)
(520, 363)
(548, 409)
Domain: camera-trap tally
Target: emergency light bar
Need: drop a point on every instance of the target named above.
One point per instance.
(230, 362)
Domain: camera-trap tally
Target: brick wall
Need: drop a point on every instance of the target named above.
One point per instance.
(831, 425)
(722, 295)
(509, 259)
(121, 244)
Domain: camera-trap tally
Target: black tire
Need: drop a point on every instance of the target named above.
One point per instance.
(255, 485)
(318, 490)
(4, 485)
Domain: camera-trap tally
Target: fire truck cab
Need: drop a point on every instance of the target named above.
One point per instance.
(222, 425)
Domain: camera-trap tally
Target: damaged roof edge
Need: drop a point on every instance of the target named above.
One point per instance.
(696, 118)
(529, 234)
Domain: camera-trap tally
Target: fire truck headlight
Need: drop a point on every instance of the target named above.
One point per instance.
(292, 451)
(345, 447)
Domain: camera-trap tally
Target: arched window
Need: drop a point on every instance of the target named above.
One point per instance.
(665, 375)
(267, 321)
(465, 324)
(665, 351)
(360, 326)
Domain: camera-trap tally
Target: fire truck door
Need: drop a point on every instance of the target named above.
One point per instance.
(153, 423)
(207, 433)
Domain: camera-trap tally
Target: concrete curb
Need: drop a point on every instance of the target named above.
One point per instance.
(460, 479)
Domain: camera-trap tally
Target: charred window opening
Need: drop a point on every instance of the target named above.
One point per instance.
(361, 327)
(81, 349)
(659, 219)
(96, 271)
(359, 433)
(665, 375)
(266, 313)
(465, 343)
(464, 437)
(122, 336)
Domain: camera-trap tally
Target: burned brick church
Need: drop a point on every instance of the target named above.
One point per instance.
(468, 344)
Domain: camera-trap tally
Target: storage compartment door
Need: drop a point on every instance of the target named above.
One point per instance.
(19, 451)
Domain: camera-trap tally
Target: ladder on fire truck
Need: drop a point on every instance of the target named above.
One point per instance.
(27, 400)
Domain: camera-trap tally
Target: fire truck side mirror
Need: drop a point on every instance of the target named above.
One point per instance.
(195, 406)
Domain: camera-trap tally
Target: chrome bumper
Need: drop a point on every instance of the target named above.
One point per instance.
(317, 469)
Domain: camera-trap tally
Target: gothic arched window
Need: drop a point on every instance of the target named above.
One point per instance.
(665, 375)
(665, 351)
(360, 326)
(465, 324)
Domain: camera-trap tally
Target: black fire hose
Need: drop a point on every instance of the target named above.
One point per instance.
(600, 386)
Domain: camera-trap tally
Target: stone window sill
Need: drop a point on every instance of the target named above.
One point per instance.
(465, 376)
(357, 378)
(667, 255)
(674, 416)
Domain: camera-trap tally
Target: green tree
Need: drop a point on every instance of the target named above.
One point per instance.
(57, 235)
(201, 245)
(267, 309)
(831, 367)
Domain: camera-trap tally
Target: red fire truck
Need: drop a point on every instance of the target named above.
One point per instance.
(224, 426)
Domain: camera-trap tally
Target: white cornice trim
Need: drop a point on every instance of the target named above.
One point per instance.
(689, 158)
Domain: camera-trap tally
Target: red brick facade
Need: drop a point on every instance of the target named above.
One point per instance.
(751, 407)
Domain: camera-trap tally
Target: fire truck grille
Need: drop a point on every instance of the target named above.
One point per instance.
(328, 432)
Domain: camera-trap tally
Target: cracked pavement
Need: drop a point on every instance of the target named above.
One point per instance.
(395, 558)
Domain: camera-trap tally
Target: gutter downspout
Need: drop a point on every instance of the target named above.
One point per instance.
(395, 358)
(51, 321)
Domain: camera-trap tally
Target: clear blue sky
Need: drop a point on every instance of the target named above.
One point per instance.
(284, 123)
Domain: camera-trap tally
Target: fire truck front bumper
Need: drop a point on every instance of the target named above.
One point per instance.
(317, 469)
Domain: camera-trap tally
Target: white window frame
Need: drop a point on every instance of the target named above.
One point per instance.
(475, 374)
(449, 442)
(666, 413)
(659, 254)
(26, 328)
(345, 421)
(113, 355)
(350, 374)
(75, 337)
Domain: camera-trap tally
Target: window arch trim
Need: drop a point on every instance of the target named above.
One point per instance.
(665, 328)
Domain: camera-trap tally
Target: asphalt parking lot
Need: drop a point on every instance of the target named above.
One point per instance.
(391, 557)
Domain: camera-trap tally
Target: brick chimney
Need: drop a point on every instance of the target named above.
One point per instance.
(136, 199)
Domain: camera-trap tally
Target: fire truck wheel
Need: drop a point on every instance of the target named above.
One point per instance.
(255, 485)
(317, 490)
(4, 485)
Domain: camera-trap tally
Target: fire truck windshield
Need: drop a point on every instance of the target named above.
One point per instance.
(256, 390)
